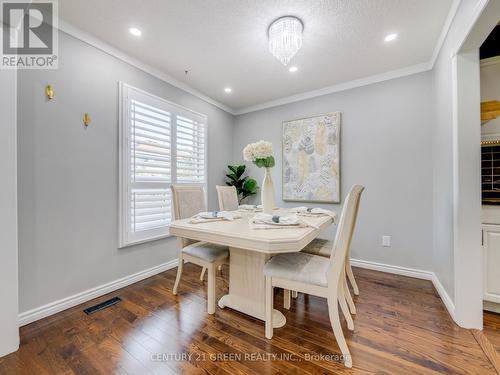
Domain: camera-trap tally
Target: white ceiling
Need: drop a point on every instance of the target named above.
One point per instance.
(224, 42)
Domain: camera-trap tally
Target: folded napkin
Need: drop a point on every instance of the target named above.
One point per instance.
(250, 207)
(268, 221)
(305, 211)
(204, 217)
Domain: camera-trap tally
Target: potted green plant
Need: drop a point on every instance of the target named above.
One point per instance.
(245, 186)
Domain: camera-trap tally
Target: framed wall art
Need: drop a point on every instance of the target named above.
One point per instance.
(311, 159)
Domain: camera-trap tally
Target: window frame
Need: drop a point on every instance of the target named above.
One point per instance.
(125, 236)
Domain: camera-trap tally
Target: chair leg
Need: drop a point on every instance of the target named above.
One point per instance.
(333, 312)
(202, 275)
(295, 294)
(348, 297)
(180, 266)
(286, 299)
(269, 308)
(345, 309)
(350, 274)
(211, 289)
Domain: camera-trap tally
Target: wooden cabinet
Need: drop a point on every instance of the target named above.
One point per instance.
(491, 261)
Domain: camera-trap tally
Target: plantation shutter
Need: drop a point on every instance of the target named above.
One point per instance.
(190, 140)
(161, 144)
(151, 157)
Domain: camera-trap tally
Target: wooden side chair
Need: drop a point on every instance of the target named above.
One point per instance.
(228, 198)
(188, 201)
(317, 275)
(324, 248)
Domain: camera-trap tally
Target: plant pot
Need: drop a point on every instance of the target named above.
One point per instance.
(267, 192)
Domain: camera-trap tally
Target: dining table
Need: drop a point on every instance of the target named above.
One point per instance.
(249, 250)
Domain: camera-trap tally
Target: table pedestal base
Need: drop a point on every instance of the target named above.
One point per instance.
(247, 285)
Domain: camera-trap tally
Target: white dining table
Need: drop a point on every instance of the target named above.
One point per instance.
(250, 249)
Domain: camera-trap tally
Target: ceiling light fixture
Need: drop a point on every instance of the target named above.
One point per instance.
(228, 89)
(391, 37)
(293, 69)
(135, 31)
(285, 38)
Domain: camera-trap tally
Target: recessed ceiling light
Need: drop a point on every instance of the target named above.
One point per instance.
(228, 89)
(391, 37)
(293, 69)
(135, 31)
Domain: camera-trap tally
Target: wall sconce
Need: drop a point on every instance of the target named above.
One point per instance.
(49, 91)
(86, 119)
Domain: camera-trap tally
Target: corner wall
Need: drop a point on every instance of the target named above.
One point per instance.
(385, 145)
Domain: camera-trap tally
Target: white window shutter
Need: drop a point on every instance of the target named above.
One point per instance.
(161, 143)
(190, 150)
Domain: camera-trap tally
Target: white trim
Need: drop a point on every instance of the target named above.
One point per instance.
(444, 31)
(110, 50)
(410, 272)
(397, 270)
(448, 302)
(71, 301)
(403, 72)
(469, 27)
(414, 69)
(490, 61)
(87, 295)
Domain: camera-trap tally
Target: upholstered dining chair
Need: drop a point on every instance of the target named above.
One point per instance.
(228, 198)
(188, 201)
(324, 248)
(317, 275)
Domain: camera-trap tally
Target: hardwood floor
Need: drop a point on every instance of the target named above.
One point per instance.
(491, 322)
(401, 327)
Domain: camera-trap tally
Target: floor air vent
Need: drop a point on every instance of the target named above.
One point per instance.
(102, 305)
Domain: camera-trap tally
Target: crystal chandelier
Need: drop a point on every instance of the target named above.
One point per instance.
(285, 38)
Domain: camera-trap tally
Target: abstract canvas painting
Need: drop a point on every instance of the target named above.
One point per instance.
(311, 159)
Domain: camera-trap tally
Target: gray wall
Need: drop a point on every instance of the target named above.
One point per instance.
(9, 334)
(68, 175)
(386, 145)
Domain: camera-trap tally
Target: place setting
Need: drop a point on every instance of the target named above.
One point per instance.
(269, 221)
(210, 216)
(313, 212)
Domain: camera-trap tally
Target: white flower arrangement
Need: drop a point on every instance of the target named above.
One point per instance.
(260, 153)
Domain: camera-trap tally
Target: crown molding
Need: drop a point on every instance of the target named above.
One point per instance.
(413, 69)
(366, 80)
(110, 50)
(444, 31)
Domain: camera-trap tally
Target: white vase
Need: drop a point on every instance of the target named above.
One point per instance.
(267, 192)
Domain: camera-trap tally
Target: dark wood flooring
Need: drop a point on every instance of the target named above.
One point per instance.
(401, 327)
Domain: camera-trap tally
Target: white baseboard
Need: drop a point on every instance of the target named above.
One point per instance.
(71, 301)
(397, 270)
(76, 299)
(448, 302)
(411, 272)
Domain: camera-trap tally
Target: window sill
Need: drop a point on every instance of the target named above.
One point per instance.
(139, 242)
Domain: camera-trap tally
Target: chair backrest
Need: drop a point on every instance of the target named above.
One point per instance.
(343, 237)
(228, 198)
(187, 201)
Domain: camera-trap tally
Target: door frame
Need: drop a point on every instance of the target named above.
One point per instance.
(466, 98)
